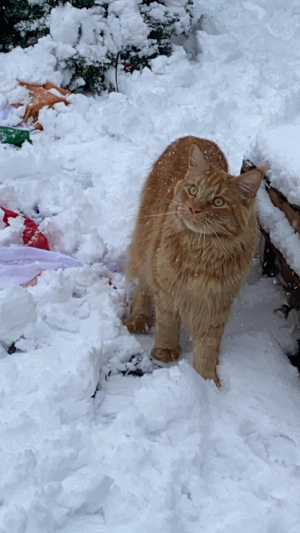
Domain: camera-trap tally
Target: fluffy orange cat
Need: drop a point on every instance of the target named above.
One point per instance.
(194, 239)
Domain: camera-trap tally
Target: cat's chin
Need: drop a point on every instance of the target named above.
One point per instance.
(195, 228)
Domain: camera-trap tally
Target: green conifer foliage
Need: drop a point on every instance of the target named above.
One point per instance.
(23, 22)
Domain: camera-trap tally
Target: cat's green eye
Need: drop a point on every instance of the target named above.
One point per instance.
(193, 190)
(218, 201)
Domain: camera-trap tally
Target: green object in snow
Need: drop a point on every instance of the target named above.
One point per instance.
(13, 136)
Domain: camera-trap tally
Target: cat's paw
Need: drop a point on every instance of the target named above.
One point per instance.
(137, 324)
(216, 379)
(209, 375)
(164, 354)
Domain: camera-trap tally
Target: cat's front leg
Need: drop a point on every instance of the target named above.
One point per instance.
(206, 345)
(141, 313)
(167, 332)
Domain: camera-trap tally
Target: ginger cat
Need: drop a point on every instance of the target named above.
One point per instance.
(194, 239)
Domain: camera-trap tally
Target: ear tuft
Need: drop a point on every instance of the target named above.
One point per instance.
(249, 183)
(197, 160)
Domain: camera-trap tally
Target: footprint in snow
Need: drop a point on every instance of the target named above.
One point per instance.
(272, 448)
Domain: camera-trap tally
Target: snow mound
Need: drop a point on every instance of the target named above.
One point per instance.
(277, 149)
(281, 233)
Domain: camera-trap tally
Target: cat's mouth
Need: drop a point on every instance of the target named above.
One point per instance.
(197, 226)
(195, 222)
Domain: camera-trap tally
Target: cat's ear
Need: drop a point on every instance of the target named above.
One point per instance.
(249, 184)
(197, 160)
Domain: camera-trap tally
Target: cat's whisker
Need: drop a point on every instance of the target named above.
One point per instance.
(168, 224)
(160, 214)
(218, 238)
(226, 231)
(231, 234)
(203, 251)
(171, 202)
(213, 223)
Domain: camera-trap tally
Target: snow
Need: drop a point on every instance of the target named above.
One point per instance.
(277, 150)
(281, 233)
(13, 233)
(164, 452)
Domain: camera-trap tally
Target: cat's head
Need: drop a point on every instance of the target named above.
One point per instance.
(209, 200)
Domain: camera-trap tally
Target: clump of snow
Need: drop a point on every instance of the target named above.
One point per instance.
(33, 64)
(92, 248)
(17, 313)
(12, 234)
(2, 223)
(277, 150)
(9, 198)
(282, 235)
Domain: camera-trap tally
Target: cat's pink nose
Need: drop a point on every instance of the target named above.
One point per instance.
(194, 210)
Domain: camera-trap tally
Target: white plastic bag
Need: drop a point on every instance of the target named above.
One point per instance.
(21, 264)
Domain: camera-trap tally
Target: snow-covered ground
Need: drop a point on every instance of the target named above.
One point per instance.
(166, 452)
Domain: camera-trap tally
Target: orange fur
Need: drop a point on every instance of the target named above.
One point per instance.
(190, 256)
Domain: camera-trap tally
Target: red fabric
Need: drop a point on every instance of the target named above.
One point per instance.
(31, 234)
